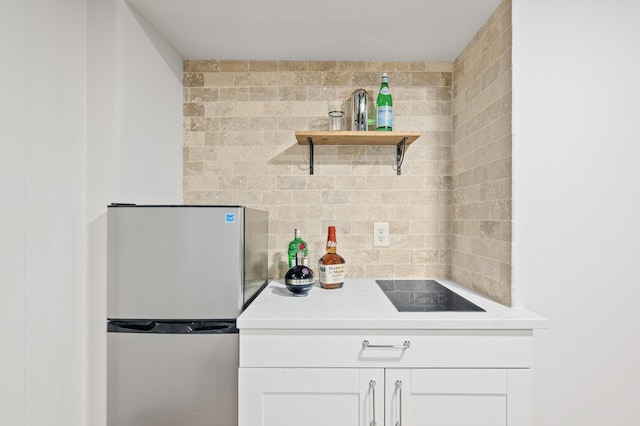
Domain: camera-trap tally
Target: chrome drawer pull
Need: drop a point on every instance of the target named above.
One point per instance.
(366, 344)
(399, 389)
(372, 385)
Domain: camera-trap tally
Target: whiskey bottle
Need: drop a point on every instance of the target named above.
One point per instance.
(296, 245)
(331, 265)
(299, 278)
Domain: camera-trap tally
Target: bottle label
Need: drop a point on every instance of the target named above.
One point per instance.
(385, 116)
(385, 91)
(332, 274)
(301, 281)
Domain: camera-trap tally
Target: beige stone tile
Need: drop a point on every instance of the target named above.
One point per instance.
(309, 109)
(262, 182)
(203, 66)
(200, 154)
(335, 197)
(367, 256)
(204, 124)
(248, 109)
(290, 124)
(204, 94)
(351, 66)
(231, 94)
(194, 198)
(410, 242)
(254, 79)
(369, 81)
(424, 256)
(200, 183)
(379, 271)
(438, 67)
(336, 78)
(381, 66)
(263, 94)
(292, 93)
(234, 153)
(405, 213)
(219, 109)
(281, 109)
(218, 168)
(247, 167)
(217, 138)
(192, 168)
(307, 78)
(234, 66)
(194, 139)
(426, 79)
(261, 66)
(292, 182)
(191, 79)
(412, 93)
(322, 65)
(217, 79)
(234, 123)
(410, 270)
(323, 93)
(234, 183)
(263, 123)
(293, 66)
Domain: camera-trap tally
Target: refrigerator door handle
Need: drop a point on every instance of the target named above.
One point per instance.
(221, 327)
(173, 327)
(131, 326)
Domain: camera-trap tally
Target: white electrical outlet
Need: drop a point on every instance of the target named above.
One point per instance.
(381, 234)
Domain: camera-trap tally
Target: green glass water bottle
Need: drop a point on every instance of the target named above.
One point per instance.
(384, 104)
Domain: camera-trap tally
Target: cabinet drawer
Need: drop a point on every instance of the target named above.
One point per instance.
(387, 348)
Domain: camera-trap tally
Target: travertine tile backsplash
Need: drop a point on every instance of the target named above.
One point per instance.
(239, 148)
(482, 202)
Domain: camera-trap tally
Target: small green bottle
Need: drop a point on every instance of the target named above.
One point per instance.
(296, 245)
(384, 104)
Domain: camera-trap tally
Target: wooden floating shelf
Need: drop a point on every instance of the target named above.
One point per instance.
(400, 139)
(355, 137)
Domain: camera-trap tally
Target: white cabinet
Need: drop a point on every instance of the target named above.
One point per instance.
(310, 396)
(407, 397)
(439, 377)
(457, 397)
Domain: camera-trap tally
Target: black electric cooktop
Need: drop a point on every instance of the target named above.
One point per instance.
(424, 296)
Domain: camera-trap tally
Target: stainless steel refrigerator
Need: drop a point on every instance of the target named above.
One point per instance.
(177, 279)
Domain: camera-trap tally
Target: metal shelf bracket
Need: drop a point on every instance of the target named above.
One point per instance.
(400, 149)
(310, 154)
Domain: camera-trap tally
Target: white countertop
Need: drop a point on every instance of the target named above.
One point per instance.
(361, 304)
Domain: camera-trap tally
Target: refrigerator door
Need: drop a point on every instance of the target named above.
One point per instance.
(165, 379)
(175, 262)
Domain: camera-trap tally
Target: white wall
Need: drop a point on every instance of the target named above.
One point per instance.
(135, 111)
(12, 218)
(134, 150)
(86, 118)
(43, 189)
(577, 208)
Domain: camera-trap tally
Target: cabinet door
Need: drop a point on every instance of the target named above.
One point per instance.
(310, 397)
(453, 397)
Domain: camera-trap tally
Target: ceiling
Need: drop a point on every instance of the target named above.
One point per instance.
(348, 30)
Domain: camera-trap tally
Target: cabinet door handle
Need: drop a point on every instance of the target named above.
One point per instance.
(366, 344)
(399, 390)
(372, 385)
